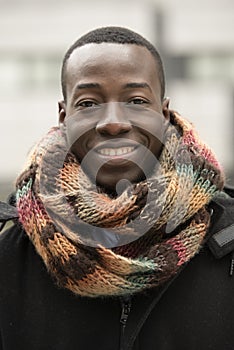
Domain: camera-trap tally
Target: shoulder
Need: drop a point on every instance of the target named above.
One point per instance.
(7, 212)
(18, 261)
(221, 241)
(229, 190)
(10, 237)
(12, 241)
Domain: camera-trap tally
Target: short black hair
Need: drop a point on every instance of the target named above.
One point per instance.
(116, 35)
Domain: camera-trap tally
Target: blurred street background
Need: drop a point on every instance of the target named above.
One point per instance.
(195, 39)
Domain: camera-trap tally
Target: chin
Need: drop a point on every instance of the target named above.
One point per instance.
(108, 183)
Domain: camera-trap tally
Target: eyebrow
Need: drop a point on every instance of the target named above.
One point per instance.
(126, 86)
(137, 85)
(87, 86)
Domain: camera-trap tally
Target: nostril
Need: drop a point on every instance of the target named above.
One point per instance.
(113, 128)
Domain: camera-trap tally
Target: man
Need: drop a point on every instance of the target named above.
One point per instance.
(120, 216)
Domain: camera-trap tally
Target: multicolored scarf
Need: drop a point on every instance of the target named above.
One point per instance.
(173, 203)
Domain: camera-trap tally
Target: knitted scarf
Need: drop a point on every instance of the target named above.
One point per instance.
(176, 213)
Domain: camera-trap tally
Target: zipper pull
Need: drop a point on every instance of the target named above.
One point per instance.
(126, 308)
(232, 264)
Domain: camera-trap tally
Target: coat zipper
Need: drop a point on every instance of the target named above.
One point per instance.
(126, 308)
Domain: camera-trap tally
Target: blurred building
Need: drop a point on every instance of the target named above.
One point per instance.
(195, 39)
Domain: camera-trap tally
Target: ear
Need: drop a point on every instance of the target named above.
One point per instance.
(165, 108)
(62, 111)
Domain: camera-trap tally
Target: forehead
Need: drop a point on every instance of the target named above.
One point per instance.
(99, 60)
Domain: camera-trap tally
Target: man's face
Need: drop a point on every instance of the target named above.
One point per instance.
(114, 115)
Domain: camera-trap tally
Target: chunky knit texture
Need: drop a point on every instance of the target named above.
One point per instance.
(172, 203)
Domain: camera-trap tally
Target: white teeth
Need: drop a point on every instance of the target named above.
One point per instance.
(115, 151)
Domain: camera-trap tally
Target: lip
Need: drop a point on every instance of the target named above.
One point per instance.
(131, 149)
(117, 159)
(116, 144)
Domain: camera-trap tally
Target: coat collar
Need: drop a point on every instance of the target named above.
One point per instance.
(221, 237)
(7, 212)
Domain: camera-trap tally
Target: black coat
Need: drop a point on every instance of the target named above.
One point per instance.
(194, 311)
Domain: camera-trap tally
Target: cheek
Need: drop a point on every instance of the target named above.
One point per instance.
(151, 123)
(82, 146)
(154, 131)
(78, 132)
(78, 151)
(156, 147)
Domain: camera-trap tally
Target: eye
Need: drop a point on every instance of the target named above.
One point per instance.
(86, 104)
(138, 101)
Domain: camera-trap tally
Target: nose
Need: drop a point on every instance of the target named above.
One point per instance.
(113, 121)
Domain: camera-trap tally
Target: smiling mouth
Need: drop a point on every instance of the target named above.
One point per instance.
(115, 152)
